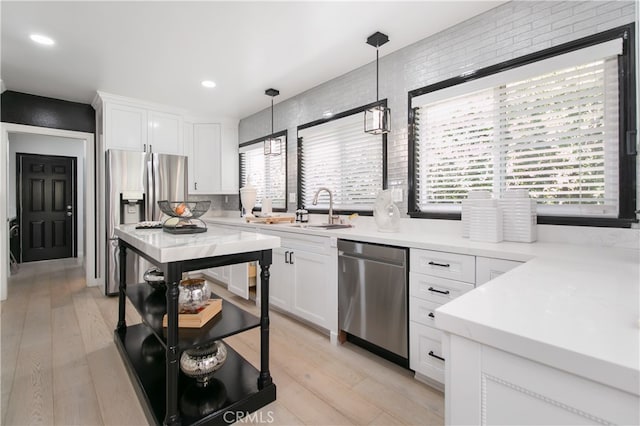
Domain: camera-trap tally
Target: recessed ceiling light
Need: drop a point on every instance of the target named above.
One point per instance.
(41, 39)
(209, 84)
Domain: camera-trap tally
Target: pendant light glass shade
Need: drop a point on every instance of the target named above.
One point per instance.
(272, 146)
(377, 119)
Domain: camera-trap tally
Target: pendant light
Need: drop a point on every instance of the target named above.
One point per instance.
(272, 145)
(377, 119)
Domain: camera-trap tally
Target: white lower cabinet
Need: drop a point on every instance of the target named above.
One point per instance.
(435, 279)
(425, 351)
(311, 298)
(488, 268)
(238, 281)
(435, 289)
(486, 385)
(218, 273)
(431, 286)
(304, 280)
(236, 277)
(281, 280)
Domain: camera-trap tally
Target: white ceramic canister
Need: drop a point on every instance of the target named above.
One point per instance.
(266, 206)
(472, 199)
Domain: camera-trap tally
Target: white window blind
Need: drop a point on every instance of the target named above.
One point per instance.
(265, 172)
(339, 155)
(553, 132)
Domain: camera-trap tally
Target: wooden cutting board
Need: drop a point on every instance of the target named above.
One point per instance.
(201, 318)
(271, 220)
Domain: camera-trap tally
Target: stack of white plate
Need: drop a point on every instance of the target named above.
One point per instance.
(473, 198)
(486, 221)
(519, 216)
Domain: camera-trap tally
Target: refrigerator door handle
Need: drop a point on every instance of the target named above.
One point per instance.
(115, 272)
(150, 190)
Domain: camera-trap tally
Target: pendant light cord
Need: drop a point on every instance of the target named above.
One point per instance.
(377, 88)
(271, 118)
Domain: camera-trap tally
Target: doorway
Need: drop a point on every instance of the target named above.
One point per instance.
(46, 194)
(57, 142)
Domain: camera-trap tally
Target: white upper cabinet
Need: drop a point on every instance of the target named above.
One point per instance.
(206, 158)
(136, 125)
(212, 148)
(165, 133)
(210, 143)
(230, 159)
(125, 127)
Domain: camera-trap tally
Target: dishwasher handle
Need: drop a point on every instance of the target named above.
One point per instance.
(359, 256)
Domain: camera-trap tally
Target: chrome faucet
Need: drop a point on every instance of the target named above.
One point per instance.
(332, 219)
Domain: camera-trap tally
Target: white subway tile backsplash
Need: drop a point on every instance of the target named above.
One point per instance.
(508, 31)
(561, 8)
(621, 20)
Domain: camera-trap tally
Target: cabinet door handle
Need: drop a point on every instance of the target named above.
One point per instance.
(144, 147)
(435, 290)
(291, 258)
(435, 356)
(431, 315)
(444, 265)
(195, 185)
(286, 259)
(150, 148)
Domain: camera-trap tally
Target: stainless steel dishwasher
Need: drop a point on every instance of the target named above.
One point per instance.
(372, 298)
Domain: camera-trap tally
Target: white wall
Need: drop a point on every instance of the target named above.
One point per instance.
(49, 145)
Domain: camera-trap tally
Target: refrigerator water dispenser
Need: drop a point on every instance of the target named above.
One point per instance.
(131, 207)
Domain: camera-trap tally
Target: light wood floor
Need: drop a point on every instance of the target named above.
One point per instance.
(60, 365)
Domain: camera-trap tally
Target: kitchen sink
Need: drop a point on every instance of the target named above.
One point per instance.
(331, 226)
(322, 225)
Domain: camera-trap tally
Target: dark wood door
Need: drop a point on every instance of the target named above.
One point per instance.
(47, 199)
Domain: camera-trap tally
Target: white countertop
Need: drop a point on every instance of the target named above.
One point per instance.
(580, 316)
(439, 235)
(575, 307)
(165, 247)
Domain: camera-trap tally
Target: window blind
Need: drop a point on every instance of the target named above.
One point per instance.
(340, 156)
(265, 172)
(554, 133)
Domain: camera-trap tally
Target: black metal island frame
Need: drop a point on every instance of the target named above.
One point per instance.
(151, 353)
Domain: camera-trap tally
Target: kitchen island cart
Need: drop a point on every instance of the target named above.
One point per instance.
(151, 353)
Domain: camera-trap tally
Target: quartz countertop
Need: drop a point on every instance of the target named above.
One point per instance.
(580, 316)
(165, 247)
(575, 307)
(439, 236)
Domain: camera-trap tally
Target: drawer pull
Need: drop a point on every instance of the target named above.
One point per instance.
(435, 290)
(444, 265)
(435, 356)
(431, 315)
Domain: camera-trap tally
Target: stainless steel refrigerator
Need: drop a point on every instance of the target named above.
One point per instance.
(136, 181)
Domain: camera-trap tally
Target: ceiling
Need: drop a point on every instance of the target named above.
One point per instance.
(161, 51)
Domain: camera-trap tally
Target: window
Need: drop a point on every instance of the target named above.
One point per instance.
(339, 155)
(551, 126)
(268, 173)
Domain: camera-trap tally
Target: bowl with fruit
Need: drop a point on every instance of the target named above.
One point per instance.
(184, 216)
